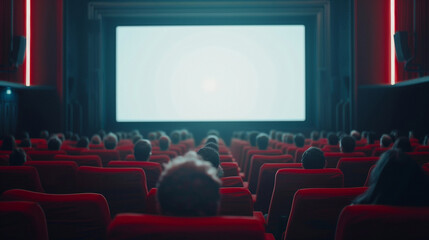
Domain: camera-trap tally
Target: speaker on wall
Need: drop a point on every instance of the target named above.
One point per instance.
(401, 46)
(18, 51)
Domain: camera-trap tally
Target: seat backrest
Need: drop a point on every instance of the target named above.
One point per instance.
(151, 169)
(256, 163)
(21, 177)
(43, 155)
(299, 152)
(382, 222)
(243, 154)
(287, 182)
(106, 155)
(69, 216)
(81, 160)
(251, 153)
(140, 226)
(56, 176)
(161, 159)
(226, 158)
(230, 169)
(368, 177)
(171, 154)
(331, 148)
(124, 188)
(420, 157)
(333, 158)
(425, 168)
(235, 181)
(22, 221)
(315, 212)
(355, 170)
(4, 160)
(421, 149)
(378, 151)
(265, 185)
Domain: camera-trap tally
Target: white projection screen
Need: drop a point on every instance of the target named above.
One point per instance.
(210, 73)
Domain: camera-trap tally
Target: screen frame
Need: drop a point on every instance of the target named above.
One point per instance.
(109, 64)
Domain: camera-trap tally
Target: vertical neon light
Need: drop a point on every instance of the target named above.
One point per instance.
(392, 43)
(27, 47)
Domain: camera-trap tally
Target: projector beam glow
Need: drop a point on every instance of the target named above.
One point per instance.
(27, 47)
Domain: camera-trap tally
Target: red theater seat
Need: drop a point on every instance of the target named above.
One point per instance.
(22, 221)
(105, 155)
(21, 177)
(421, 149)
(331, 148)
(355, 170)
(230, 169)
(226, 158)
(44, 155)
(369, 176)
(378, 151)
(265, 185)
(96, 146)
(426, 168)
(287, 182)
(232, 182)
(140, 226)
(251, 153)
(299, 152)
(383, 222)
(420, 157)
(333, 158)
(171, 154)
(151, 169)
(256, 163)
(69, 216)
(124, 188)
(4, 160)
(124, 151)
(81, 160)
(56, 176)
(161, 159)
(315, 211)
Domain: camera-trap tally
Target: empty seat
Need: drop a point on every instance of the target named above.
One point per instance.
(56, 176)
(151, 169)
(69, 216)
(315, 212)
(140, 226)
(234, 181)
(287, 182)
(355, 170)
(256, 163)
(21, 177)
(333, 158)
(383, 222)
(124, 151)
(230, 169)
(265, 185)
(124, 188)
(226, 158)
(44, 155)
(81, 160)
(22, 221)
(105, 155)
(251, 153)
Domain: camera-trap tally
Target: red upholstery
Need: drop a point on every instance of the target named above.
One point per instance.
(251, 153)
(152, 202)
(125, 142)
(124, 151)
(299, 152)
(265, 186)
(105, 155)
(420, 157)
(4, 160)
(21, 177)
(171, 154)
(256, 163)
(355, 170)
(331, 148)
(426, 168)
(43, 155)
(421, 149)
(140, 226)
(81, 160)
(287, 182)
(243, 154)
(292, 150)
(73, 150)
(161, 159)
(382, 222)
(333, 158)
(368, 177)
(315, 212)
(151, 169)
(226, 158)
(366, 149)
(56, 176)
(378, 151)
(230, 169)
(38, 141)
(22, 221)
(69, 216)
(235, 181)
(124, 188)
(96, 146)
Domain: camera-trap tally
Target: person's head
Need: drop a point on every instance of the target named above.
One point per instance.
(54, 143)
(288, 138)
(279, 136)
(355, 134)
(136, 138)
(26, 142)
(385, 141)
(142, 150)
(394, 134)
(75, 137)
(188, 187)
(333, 139)
(210, 155)
(313, 158)
(252, 138)
(23, 135)
(164, 143)
(83, 142)
(314, 135)
(403, 144)
(323, 134)
(44, 134)
(110, 141)
(18, 157)
(213, 132)
(175, 137)
(8, 143)
(212, 145)
(299, 140)
(396, 180)
(96, 139)
(273, 134)
(347, 144)
(212, 139)
(262, 141)
(68, 135)
(151, 136)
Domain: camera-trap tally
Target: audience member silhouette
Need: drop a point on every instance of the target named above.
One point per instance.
(333, 139)
(252, 138)
(96, 139)
(396, 180)
(314, 135)
(18, 157)
(313, 158)
(164, 143)
(355, 134)
(54, 143)
(8, 143)
(262, 141)
(175, 137)
(188, 187)
(110, 141)
(26, 143)
(212, 156)
(385, 141)
(403, 144)
(299, 140)
(83, 142)
(44, 134)
(142, 150)
(212, 139)
(212, 145)
(347, 144)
